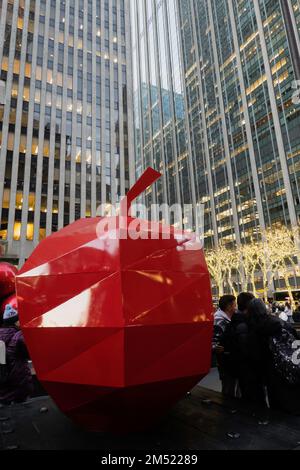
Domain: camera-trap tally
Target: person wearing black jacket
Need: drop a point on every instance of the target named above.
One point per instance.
(222, 318)
(236, 346)
(264, 377)
(246, 341)
(261, 328)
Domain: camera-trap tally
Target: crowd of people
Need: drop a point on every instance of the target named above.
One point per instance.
(285, 311)
(257, 352)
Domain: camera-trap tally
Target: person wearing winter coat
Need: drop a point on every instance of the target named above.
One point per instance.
(227, 308)
(262, 327)
(236, 344)
(270, 358)
(18, 386)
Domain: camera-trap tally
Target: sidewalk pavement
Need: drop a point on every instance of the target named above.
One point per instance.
(202, 421)
(212, 381)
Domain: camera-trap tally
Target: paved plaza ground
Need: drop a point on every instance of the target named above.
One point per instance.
(201, 421)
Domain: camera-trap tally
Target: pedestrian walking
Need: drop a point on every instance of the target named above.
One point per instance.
(236, 343)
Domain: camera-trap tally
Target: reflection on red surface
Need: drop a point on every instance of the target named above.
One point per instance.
(118, 329)
(7, 279)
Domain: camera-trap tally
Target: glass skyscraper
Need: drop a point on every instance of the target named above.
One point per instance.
(159, 109)
(241, 56)
(241, 149)
(65, 127)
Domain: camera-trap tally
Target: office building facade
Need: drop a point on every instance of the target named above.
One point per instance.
(210, 85)
(159, 107)
(239, 61)
(65, 126)
(241, 64)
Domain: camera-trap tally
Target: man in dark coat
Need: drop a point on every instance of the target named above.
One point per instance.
(236, 345)
(18, 385)
(262, 327)
(227, 308)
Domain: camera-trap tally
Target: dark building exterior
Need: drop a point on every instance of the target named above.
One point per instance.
(66, 121)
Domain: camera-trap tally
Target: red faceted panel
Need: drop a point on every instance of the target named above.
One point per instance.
(118, 329)
(7, 279)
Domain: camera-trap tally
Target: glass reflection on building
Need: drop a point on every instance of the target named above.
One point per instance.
(240, 69)
(234, 65)
(159, 112)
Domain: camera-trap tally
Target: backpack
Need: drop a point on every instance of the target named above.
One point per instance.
(4, 372)
(286, 357)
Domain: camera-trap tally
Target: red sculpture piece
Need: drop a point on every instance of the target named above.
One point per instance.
(7, 279)
(119, 329)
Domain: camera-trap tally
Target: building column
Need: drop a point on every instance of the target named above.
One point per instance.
(205, 130)
(276, 120)
(63, 147)
(51, 168)
(292, 35)
(130, 99)
(247, 117)
(17, 135)
(40, 157)
(7, 107)
(224, 125)
(28, 156)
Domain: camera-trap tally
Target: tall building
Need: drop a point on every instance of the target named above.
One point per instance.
(210, 87)
(159, 110)
(65, 126)
(239, 60)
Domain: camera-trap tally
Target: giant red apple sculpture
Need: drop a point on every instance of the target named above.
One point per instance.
(118, 329)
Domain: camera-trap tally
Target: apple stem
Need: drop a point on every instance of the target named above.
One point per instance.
(147, 179)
